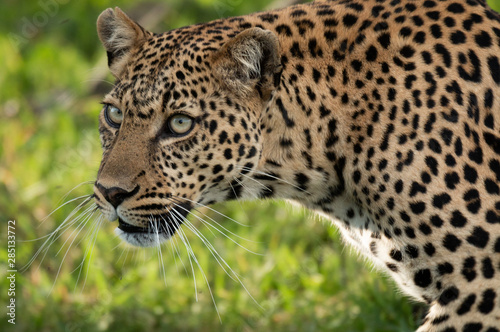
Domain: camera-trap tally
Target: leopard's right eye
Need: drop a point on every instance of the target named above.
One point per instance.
(113, 116)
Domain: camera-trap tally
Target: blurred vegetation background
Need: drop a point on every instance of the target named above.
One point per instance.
(53, 75)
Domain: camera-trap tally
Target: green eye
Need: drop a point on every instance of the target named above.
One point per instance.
(180, 124)
(113, 116)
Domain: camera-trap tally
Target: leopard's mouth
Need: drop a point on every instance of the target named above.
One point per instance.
(127, 228)
(160, 228)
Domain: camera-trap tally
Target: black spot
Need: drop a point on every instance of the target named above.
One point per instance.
(410, 232)
(473, 201)
(252, 152)
(330, 35)
(228, 154)
(425, 229)
(356, 65)
(302, 180)
(417, 188)
(468, 270)
(488, 302)
(458, 147)
(483, 39)
(436, 31)
(284, 112)
(451, 179)
(396, 255)
(284, 29)
(314, 50)
(407, 51)
(385, 140)
(492, 217)
(412, 251)
(384, 40)
(404, 216)
(472, 327)
(430, 122)
(437, 221)
(475, 74)
(330, 22)
(466, 304)
(222, 137)
(349, 20)
(487, 268)
(493, 141)
(450, 160)
(470, 174)
(417, 20)
(455, 8)
(304, 25)
(479, 237)
(356, 176)
(423, 278)
(451, 242)
(418, 207)
(476, 155)
(180, 75)
(450, 22)
(445, 268)
(381, 26)
(432, 164)
(429, 249)
(371, 53)
(398, 186)
(440, 319)
(213, 126)
(286, 143)
(217, 169)
(458, 220)
(458, 37)
(495, 167)
(298, 13)
(497, 245)
(494, 68)
(295, 51)
(450, 294)
(392, 267)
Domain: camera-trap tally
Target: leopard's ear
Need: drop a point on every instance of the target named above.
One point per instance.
(248, 62)
(119, 35)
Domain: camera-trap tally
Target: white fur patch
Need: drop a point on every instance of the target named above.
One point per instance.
(249, 54)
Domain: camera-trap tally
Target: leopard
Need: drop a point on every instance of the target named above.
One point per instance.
(380, 115)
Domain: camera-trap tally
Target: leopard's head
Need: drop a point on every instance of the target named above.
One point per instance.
(180, 128)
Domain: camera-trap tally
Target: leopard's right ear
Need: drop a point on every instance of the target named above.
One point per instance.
(119, 34)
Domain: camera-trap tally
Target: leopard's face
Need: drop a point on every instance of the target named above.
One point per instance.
(175, 136)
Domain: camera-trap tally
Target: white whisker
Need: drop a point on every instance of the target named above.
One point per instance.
(213, 210)
(93, 240)
(207, 224)
(184, 239)
(158, 246)
(191, 253)
(271, 176)
(257, 181)
(78, 230)
(53, 236)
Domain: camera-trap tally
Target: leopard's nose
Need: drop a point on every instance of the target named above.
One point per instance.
(116, 195)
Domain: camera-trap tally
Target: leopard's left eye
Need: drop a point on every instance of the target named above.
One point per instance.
(180, 124)
(113, 116)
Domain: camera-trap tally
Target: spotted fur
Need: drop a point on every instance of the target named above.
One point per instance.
(382, 115)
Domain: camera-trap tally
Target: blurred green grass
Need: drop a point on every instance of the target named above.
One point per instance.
(53, 76)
